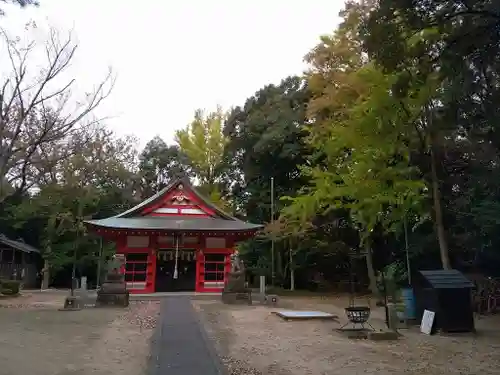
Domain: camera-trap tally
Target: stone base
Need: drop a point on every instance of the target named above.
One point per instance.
(413, 322)
(369, 334)
(271, 300)
(114, 287)
(72, 303)
(261, 298)
(112, 299)
(237, 297)
(383, 335)
(354, 334)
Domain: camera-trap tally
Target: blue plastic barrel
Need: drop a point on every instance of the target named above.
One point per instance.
(409, 301)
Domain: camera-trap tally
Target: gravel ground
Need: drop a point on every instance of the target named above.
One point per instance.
(252, 340)
(37, 339)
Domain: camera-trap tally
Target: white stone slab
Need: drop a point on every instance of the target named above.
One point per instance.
(291, 314)
(427, 322)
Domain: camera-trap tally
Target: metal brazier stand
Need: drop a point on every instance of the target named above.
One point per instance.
(357, 315)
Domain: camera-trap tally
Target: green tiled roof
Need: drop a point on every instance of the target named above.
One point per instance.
(174, 223)
(18, 245)
(132, 219)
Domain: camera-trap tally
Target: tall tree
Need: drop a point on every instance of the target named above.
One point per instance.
(21, 3)
(37, 110)
(456, 44)
(267, 141)
(75, 189)
(360, 134)
(159, 163)
(366, 167)
(203, 142)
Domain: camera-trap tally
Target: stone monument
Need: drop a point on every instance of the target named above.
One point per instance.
(114, 288)
(235, 290)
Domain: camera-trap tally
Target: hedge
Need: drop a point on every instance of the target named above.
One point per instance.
(10, 287)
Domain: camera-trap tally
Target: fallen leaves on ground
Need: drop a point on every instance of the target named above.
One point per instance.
(143, 314)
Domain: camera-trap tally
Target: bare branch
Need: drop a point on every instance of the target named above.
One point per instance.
(38, 111)
(21, 3)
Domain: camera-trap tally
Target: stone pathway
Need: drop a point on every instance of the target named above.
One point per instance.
(180, 344)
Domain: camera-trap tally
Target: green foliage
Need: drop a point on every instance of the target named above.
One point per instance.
(10, 287)
(267, 140)
(458, 46)
(159, 163)
(365, 147)
(73, 191)
(396, 117)
(203, 142)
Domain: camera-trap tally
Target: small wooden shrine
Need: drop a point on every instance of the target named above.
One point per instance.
(175, 241)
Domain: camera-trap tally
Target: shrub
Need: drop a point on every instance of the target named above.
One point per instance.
(10, 287)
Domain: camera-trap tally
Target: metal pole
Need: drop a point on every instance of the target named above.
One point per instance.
(272, 238)
(384, 286)
(407, 250)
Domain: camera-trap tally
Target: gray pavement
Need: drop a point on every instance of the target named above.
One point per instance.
(180, 344)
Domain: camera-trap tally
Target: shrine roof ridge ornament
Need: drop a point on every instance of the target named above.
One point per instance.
(182, 184)
(133, 219)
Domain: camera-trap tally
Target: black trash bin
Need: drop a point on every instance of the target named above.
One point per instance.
(449, 294)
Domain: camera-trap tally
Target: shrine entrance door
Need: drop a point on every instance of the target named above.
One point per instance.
(175, 270)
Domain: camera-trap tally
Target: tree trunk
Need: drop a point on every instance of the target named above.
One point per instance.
(46, 275)
(371, 272)
(279, 265)
(438, 213)
(46, 266)
(292, 271)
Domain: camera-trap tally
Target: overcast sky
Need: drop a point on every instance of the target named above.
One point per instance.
(172, 57)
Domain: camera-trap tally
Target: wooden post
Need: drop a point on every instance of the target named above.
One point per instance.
(98, 281)
(292, 267)
(13, 264)
(23, 266)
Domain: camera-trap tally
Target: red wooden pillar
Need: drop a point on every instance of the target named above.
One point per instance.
(199, 264)
(151, 268)
(121, 244)
(230, 251)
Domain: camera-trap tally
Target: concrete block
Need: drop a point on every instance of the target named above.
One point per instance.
(383, 335)
(237, 297)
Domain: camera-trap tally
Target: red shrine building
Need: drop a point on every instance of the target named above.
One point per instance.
(175, 241)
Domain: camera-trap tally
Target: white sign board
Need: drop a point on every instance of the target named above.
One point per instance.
(427, 322)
